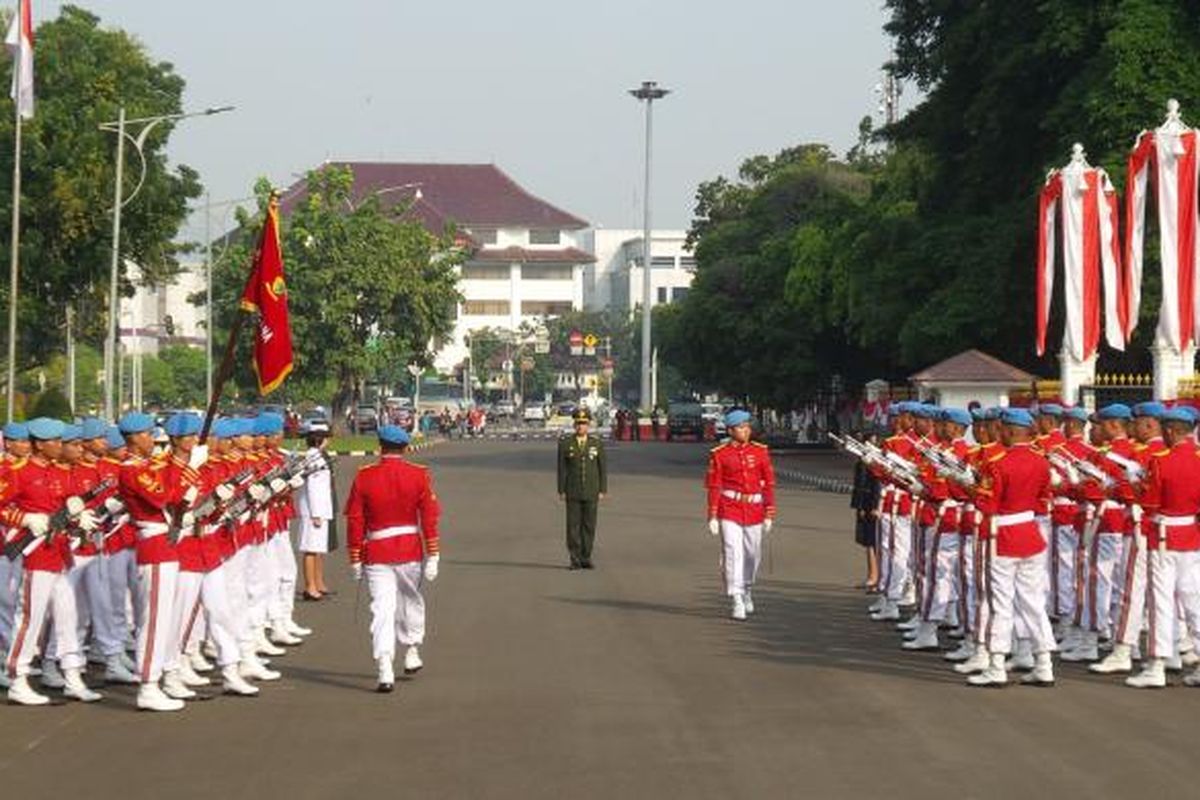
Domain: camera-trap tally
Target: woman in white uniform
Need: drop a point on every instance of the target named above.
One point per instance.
(315, 511)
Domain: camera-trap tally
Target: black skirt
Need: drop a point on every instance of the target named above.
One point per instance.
(864, 530)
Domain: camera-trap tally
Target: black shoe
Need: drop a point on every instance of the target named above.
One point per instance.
(575, 565)
(311, 598)
(384, 688)
(588, 565)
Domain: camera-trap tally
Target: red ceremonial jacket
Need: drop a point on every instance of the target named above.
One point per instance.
(742, 470)
(1017, 482)
(146, 493)
(40, 487)
(392, 495)
(1172, 495)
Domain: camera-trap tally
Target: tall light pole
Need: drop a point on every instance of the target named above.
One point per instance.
(120, 127)
(649, 91)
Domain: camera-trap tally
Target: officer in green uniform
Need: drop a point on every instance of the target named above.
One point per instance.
(582, 483)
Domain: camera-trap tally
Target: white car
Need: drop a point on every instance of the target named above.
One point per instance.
(716, 414)
(534, 413)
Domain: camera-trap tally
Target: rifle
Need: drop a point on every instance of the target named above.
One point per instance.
(294, 466)
(60, 523)
(1134, 472)
(947, 465)
(207, 506)
(900, 469)
(1077, 469)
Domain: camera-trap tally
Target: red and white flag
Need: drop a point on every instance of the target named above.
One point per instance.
(1169, 154)
(20, 43)
(1086, 202)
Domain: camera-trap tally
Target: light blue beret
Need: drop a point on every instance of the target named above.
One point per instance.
(93, 428)
(737, 417)
(1076, 413)
(957, 415)
(1184, 414)
(16, 431)
(1150, 408)
(45, 428)
(1049, 410)
(113, 435)
(1017, 416)
(72, 433)
(135, 422)
(393, 434)
(1115, 411)
(184, 425)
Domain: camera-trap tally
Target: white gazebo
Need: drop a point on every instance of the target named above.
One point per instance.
(970, 376)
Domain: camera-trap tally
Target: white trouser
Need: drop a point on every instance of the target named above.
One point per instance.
(122, 585)
(41, 592)
(883, 545)
(941, 574)
(1129, 616)
(1173, 582)
(10, 581)
(219, 614)
(284, 599)
(397, 607)
(1018, 591)
(76, 578)
(1062, 586)
(1046, 529)
(157, 639)
(239, 597)
(184, 613)
(741, 553)
(1103, 561)
(900, 539)
(969, 564)
(259, 574)
(106, 637)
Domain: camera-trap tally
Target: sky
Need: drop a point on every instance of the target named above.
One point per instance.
(536, 87)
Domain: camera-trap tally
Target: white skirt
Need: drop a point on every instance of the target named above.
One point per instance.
(312, 538)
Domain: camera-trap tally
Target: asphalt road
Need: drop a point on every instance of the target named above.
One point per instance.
(627, 681)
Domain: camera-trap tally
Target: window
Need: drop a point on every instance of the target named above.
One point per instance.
(484, 235)
(662, 294)
(679, 293)
(486, 308)
(662, 262)
(486, 272)
(545, 308)
(551, 273)
(687, 262)
(544, 236)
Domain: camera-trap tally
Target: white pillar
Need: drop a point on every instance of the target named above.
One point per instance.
(1074, 374)
(1170, 367)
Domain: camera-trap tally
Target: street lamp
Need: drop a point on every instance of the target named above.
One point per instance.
(649, 91)
(120, 127)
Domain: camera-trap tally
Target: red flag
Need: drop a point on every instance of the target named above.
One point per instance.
(266, 293)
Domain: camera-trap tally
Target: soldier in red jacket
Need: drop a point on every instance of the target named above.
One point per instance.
(1014, 488)
(741, 507)
(392, 536)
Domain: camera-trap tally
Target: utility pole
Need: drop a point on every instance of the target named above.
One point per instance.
(889, 97)
(71, 358)
(208, 304)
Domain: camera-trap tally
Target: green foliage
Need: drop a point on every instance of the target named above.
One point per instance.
(85, 73)
(51, 403)
(188, 370)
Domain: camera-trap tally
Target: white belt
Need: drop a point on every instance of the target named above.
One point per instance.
(388, 533)
(148, 530)
(1174, 522)
(1109, 505)
(1063, 501)
(948, 505)
(745, 498)
(1005, 520)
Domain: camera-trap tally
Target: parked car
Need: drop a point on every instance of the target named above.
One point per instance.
(505, 408)
(365, 418)
(714, 413)
(685, 418)
(534, 413)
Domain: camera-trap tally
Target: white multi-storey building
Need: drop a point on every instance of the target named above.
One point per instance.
(157, 316)
(614, 281)
(527, 256)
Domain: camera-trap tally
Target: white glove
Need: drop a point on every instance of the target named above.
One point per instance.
(768, 523)
(190, 495)
(75, 505)
(37, 524)
(714, 526)
(87, 521)
(113, 505)
(356, 571)
(187, 521)
(259, 492)
(278, 485)
(296, 481)
(243, 518)
(224, 491)
(431, 568)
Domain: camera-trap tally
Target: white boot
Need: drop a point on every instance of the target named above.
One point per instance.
(234, 683)
(412, 660)
(174, 687)
(910, 596)
(1088, 648)
(878, 605)
(127, 662)
(1070, 639)
(251, 667)
(965, 649)
(994, 675)
(52, 677)
(264, 646)
(189, 676)
(889, 612)
(4, 681)
(1192, 678)
(748, 601)
(151, 698)
(115, 671)
(1152, 676)
(739, 607)
(280, 634)
(387, 677)
(1119, 660)
(1022, 659)
(296, 629)
(1042, 673)
(978, 662)
(21, 693)
(208, 650)
(910, 624)
(77, 689)
(926, 638)
(198, 662)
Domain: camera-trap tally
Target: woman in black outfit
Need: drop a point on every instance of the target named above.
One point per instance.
(865, 502)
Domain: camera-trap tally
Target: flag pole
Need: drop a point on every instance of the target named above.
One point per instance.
(14, 244)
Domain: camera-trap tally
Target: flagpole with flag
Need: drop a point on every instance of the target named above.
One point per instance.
(19, 42)
(265, 294)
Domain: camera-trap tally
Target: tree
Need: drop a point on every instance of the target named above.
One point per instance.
(84, 75)
(367, 288)
(189, 371)
(51, 403)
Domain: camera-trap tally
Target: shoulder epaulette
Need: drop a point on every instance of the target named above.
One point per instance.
(718, 447)
(759, 444)
(998, 456)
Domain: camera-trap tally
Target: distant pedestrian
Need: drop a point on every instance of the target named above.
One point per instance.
(316, 515)
(582, 484)
(865, 502)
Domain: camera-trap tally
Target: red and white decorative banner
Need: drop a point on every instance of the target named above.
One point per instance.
(1085, 200)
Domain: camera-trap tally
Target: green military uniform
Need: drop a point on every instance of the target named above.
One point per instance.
(582, 478)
